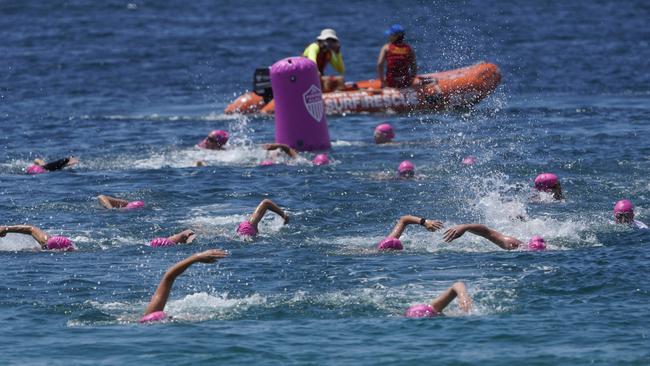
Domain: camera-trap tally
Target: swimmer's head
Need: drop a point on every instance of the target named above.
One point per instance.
(321, 159)
(406, 169)
(59, 243)
(390, 244)
(469, 160)
(35, 169)
(420, 311)
(384, 133)
(536, 243)
(215, 140)
(161, 242)
(267, 163)
(546, 182)
(134, 205)
(154, 317)
(245, 228)
(623, 212)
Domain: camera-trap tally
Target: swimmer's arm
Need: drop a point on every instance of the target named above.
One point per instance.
(477, 229)
(159, 298)
(185, 236)
(61, 163)
(381, 61)
(456, 290)
(261, 209)
(405, 220)
(39, 235)
(111, 202)
(284, 147)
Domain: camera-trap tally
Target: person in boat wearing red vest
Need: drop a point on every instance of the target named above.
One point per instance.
(399, 59)
(327, 49)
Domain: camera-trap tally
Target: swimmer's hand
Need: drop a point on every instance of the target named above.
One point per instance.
(454, 233)
(72, 161)
(210, 256)
(3, 231)
(433, 225)
(185, 236)
(286, 218)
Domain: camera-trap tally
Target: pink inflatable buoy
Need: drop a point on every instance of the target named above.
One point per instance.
(299, 108)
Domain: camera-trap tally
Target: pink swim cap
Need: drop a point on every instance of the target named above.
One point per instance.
(35, 169)
(321, 159)
(161, 242)
(469, 160)
(390, 244)
(245, 228)
(545, 181)
(59, 243)
(216, 137)
(536, 243)
(420, 311)
(154, 317)
(623, 206)
(406, 169)
(134, 205)
(267, 163)
(386, 130)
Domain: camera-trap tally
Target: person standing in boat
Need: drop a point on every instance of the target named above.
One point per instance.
(399, 59)
(327, 49)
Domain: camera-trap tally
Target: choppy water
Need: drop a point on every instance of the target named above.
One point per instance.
(131, 87)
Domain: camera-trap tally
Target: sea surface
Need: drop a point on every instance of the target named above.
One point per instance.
(130, 87)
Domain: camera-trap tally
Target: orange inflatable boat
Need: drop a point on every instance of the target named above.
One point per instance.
(430, 92)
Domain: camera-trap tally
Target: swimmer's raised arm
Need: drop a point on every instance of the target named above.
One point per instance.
(159, 298)
(111, 202)
(285, 148)
(39, 235)
(456, 290)
(261, 209)
(431, 225)
(503, 241)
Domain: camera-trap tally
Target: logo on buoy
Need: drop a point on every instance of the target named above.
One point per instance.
(313, 99)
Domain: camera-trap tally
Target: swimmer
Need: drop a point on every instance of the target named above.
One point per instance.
(406, 169)
(112, 202)
(503, 241)
(184, 237)
(292, 153)
(249, 228)
(46, 241)
(40, 166)
(624, 214)
(215, 140)
(384, 133)
(549, 182)
(441, 302)
(392, 242)
(156, 307)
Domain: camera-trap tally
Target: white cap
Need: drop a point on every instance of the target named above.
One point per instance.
(327, 33)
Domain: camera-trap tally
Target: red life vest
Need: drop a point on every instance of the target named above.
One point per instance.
(398, 61)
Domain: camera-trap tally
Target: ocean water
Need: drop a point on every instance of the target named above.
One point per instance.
(130, 87)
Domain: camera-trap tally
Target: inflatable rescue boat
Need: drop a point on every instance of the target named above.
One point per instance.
(438, 91)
